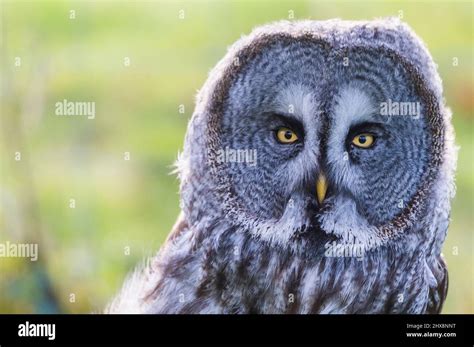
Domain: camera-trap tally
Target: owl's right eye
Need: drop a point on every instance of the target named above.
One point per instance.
(286, 135)
(364, 140)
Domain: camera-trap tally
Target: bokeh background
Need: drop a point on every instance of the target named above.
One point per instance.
(125, 208)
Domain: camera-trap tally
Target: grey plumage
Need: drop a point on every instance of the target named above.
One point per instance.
(253, 238)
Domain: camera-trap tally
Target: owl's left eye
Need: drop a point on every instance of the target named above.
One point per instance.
(286, 135)
(364, 140)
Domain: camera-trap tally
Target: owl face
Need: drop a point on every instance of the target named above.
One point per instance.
(346, 131)
(309, 116)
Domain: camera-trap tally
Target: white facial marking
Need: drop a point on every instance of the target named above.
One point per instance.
(298, 100)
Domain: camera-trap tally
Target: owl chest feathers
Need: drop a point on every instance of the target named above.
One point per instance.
(229, 271)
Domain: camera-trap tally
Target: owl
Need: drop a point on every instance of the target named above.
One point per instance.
(316, 177)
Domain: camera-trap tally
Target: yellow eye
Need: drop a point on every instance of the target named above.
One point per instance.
(285, 135)
(364, 140)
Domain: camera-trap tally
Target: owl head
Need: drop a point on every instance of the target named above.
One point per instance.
(333, 129)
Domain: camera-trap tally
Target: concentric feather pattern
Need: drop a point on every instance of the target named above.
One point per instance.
(252, 237)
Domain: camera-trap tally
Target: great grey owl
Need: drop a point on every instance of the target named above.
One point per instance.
(316, 177)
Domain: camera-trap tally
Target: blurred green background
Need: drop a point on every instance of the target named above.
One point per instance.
(125, 208)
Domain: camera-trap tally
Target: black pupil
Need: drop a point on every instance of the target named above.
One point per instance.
(288, 135)
(362, 139)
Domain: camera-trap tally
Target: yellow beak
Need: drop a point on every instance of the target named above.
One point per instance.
(321, 188)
